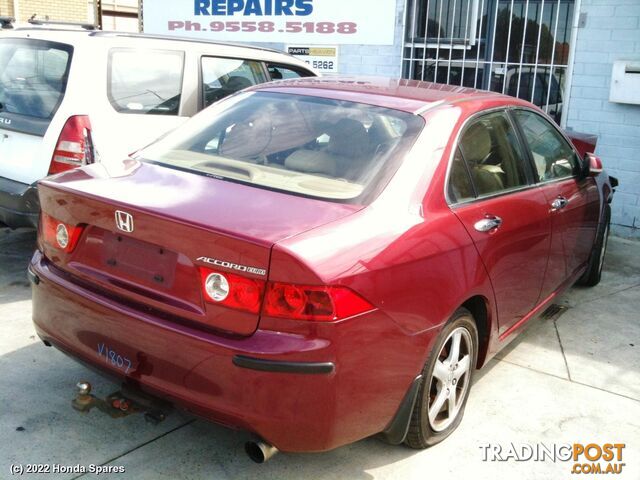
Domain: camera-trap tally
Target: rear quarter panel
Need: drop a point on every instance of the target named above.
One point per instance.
(406, 253)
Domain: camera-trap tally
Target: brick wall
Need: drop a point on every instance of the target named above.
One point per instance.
(6, 8)
(612, 32)
(62, 10)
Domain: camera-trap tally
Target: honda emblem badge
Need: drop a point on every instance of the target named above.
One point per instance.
(124, 221)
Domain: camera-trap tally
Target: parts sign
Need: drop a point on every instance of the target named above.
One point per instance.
(323, 58)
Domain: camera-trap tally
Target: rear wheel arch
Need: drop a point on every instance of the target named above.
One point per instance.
(478, 306)
(449, 387)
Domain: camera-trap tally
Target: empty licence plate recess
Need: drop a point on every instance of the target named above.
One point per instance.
(139, 260)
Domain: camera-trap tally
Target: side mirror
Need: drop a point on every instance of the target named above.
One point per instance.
(592, 165)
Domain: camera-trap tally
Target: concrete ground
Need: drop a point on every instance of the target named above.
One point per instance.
(574, 378)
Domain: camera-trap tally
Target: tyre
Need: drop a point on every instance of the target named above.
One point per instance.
(447, 378)
(593, 274)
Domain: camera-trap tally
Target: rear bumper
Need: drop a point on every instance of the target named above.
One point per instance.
(19, 204)
(297, 391)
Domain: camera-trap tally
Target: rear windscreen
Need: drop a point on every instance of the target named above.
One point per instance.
(318, 147)
(33, 76)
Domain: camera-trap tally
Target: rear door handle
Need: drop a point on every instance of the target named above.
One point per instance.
(487, 224)
(559, 203)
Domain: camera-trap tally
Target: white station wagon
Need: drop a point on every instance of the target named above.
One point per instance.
(69, 97)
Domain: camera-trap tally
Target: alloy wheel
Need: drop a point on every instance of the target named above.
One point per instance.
(450, 379)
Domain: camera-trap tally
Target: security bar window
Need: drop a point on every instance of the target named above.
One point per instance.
(517, 47)
(448, 24)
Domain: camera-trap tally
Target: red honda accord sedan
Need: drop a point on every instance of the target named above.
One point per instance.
(320, 260)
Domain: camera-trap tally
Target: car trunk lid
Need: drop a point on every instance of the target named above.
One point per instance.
(148, 229)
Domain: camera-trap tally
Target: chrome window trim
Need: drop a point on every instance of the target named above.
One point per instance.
(429, 106)
(493, 195)
(456, 145)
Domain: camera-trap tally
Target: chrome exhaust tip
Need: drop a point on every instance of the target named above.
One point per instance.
(259, 451)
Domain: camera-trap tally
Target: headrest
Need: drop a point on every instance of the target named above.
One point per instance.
(348, 138)
(237, 83)
(247, 139)
(476, 143)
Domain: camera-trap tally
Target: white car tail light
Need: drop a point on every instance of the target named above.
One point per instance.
(74, 147)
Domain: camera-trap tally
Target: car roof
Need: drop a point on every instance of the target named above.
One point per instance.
(75, 36)
(412, 96)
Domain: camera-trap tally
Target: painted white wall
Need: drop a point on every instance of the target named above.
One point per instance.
(612, 32)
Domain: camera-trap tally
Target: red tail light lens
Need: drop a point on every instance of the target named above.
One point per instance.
(60, 235)
(74, 147)
(296, 302)
(232, 290)
(317, 303)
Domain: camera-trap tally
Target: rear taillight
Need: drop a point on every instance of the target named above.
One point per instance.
(74, 147)
(283, 300)
(230, 290)
(316, 303)
(59, 235)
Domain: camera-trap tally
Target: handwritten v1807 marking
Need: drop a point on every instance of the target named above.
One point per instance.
(113, 358)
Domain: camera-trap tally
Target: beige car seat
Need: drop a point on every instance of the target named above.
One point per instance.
(477, 148)
(343, 157)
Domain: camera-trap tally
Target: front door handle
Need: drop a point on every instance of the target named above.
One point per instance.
(559, 203)
(487, 224)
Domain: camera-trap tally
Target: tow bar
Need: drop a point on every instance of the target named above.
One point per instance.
(120, 404)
